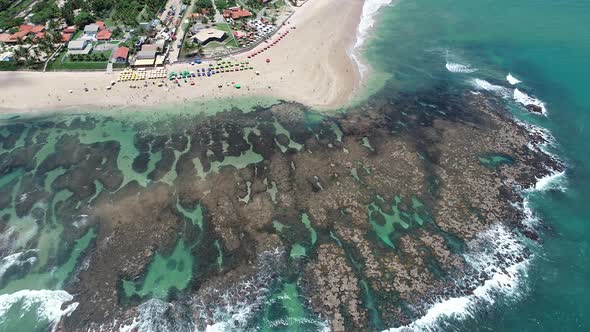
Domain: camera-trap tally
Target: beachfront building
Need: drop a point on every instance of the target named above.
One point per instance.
(91, 30)
(236, 13)
(145, 59)
(5, 37)
(79, 47)
(104, 35)
(121, 54)
(66, 37)
(24, 30)
(205, 36)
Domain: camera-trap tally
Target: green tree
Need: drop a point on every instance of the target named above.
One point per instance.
(20, 55)
(4, 4)
(84, 18)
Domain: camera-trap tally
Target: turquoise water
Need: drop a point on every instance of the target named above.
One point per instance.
(545, 44)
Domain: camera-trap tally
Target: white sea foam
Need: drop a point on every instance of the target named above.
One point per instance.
(496, 252)
(459, 68)
(525, 100)
(512, 80)
(18, 259)
(45, 303)
(480, 84)
(551, 181)
(155, 315)
(370, 9)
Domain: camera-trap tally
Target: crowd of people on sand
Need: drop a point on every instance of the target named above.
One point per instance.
(162, 77)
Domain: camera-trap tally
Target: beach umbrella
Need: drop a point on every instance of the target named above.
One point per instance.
(267, 60)
(238, 86)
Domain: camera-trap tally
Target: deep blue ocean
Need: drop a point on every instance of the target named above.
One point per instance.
(546, 45)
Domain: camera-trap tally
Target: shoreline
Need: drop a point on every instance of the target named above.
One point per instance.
(328, 60)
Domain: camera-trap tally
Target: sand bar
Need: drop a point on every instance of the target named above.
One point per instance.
(310, 65)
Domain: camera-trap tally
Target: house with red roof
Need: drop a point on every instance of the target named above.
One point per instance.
(101, 25)
(103, 35)
(25, 27)
(23, 31)
(70, 29)
(121, 54)
(19, 35)
(5, 37)
(236, 13)
(66, 37)
(37, 29)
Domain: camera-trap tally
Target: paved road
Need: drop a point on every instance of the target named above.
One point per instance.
(218, 17)
(175, 50)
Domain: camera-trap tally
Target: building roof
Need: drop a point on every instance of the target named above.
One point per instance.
(104, 35)
(19, 35)
(77, 44)
(39, 35)
(86, 50)
(144, 62)
(66, 37)
(70, 29)
(25, 27)
(149, 47)
(122, 52)
(236, 13)
(146, 55)
(4, 37)
(91, 28)
(100, 24)
(204, 35)
(38, 28)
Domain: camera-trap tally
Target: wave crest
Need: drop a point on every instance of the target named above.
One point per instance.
(459, 68)
(497, 253)
(526, 100)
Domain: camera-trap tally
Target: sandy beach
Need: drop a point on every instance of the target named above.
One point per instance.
(310, 65)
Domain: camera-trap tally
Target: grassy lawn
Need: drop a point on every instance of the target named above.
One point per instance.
(232, 43)
(109, 22)
(224, 27)
(77, 65)
(77, 34)
(58, 65)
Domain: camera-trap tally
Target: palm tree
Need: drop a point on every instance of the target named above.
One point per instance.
(20, 55)
(199, 49)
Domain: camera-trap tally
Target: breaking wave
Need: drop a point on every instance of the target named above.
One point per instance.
(46, 304)
(370, 9)
(512, 80)
(459, 68)
(526, 100)
(480, 84)
(497, 253)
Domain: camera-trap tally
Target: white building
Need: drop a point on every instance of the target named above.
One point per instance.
(79, 46)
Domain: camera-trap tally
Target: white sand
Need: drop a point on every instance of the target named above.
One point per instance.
(310, 65)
